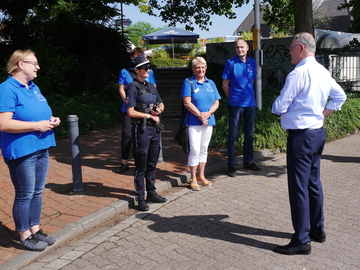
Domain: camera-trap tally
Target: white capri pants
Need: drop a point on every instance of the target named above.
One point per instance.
(199, 138)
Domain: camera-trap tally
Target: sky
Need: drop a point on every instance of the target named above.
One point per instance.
(221, 26)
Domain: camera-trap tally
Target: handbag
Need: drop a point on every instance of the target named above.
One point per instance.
(182, 136)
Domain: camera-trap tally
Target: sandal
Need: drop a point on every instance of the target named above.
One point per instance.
(203, 181)
(194, 187)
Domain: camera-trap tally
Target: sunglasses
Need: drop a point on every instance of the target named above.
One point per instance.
(145, 68)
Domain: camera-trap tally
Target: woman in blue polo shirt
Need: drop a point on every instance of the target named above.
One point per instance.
(201, 99)
(26, 123)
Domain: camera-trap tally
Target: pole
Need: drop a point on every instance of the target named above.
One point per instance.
(75, 153)
(258, 53)
(122, 18)
(172, 41)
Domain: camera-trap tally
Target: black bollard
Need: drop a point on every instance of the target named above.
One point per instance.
(75, 153)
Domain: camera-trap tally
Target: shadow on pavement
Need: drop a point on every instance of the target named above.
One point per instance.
(8, 237)
(91, 189)
(214, 226)
(341, 159)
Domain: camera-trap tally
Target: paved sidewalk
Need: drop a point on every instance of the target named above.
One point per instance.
(234, 224)
(106, 193)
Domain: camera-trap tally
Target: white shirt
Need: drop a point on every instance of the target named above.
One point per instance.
(305, 95)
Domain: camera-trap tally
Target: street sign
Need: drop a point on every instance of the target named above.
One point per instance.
(125, 22)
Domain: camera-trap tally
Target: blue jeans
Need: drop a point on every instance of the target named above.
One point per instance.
(28, 175)
(235, 115)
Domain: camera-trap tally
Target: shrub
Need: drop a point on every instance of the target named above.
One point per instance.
(95, 112)
(268, 131)
(168, 62)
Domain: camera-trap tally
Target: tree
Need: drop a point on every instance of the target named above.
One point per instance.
(283, 14)
(354, 7)
(23, 20)
(191, 12)
(276, 9)
(303, 16)
(77, 43)
(291, 17)
(136, 31)
(216, 40)
(320, 13)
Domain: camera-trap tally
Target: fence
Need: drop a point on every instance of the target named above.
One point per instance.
(343, 66)
(346, 70)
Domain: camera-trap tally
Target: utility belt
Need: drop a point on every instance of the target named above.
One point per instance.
(142, 122)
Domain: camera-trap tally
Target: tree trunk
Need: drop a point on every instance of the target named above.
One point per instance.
(303, 16)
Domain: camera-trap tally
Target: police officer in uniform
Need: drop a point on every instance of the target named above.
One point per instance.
(144, 106)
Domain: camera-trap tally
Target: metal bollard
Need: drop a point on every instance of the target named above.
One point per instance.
(75, 153)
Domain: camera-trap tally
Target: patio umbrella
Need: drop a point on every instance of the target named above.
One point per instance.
(171, 35)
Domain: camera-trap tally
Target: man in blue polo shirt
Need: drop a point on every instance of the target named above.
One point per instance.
(238, 77)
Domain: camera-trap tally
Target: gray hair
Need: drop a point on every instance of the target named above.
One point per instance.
(198, 60)
(307, 40)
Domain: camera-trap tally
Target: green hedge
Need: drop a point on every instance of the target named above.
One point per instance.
(169, 63)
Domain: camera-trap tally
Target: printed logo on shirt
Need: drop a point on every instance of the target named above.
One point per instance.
(209, 88)
(126, 100)
(249, 68)
(39, 96)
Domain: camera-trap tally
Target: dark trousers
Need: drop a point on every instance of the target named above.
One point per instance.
(146, 149)
(126, 136)
(304, 149)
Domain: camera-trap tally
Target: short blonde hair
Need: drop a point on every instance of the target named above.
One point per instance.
(198, 60)
(15, 58)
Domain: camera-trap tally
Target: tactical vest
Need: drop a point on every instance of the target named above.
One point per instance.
(141, 90)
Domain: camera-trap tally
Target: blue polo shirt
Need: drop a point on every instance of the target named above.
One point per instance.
(203, 97)
(241, 75)
(27, 105)
(125, 79)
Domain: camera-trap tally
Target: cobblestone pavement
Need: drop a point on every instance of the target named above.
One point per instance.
(234, 224)
(65, 214)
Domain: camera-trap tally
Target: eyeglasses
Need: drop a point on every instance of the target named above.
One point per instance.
(145, 68)
(290, 48)
(34, 63)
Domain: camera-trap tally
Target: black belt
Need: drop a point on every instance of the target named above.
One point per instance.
(149, 122)
(301, 130)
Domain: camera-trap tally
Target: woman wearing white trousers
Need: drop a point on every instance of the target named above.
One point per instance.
(201, 99)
